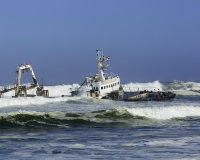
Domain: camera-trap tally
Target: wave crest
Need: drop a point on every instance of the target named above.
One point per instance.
(116, 116)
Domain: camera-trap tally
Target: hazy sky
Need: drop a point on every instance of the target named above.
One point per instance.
(147, 40)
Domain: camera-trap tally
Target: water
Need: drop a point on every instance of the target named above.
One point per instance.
(86, 128)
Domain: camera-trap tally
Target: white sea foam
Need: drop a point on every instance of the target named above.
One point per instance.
(27, 101)
(156, 85)
(59, 90)
(166, 112)
(186, 93)
(82, 91)
(54, 91)
(160, 113)
(185, 86)
(180, 88)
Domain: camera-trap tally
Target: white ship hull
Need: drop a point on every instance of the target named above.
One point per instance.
(101, 89)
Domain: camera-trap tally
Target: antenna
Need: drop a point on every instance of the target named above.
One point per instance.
(90, 74)
(109, 65)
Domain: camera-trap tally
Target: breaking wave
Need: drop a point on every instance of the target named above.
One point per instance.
(143, 86)
(166, 112)
(116, 116)
(183, 88)
(28, 101)
(54, 91)
(177, 86)
(180, 88)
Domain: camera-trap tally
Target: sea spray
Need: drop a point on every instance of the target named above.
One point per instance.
(150, 86)
(166, 112)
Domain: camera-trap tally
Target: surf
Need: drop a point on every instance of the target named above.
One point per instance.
(114, 116)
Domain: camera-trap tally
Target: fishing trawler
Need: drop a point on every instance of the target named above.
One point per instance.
(102, 84)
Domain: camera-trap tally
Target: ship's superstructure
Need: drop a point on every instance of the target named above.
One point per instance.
(102, 84)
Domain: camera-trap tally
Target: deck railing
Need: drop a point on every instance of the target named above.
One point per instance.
(12, 86)
(137, 89)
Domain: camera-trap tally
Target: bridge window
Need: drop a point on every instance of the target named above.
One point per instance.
(101, 88)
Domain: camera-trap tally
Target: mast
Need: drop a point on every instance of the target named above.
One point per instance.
(101, 66)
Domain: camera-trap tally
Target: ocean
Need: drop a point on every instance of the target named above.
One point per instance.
(85, 128)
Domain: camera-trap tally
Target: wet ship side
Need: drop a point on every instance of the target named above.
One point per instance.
(121, 95)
